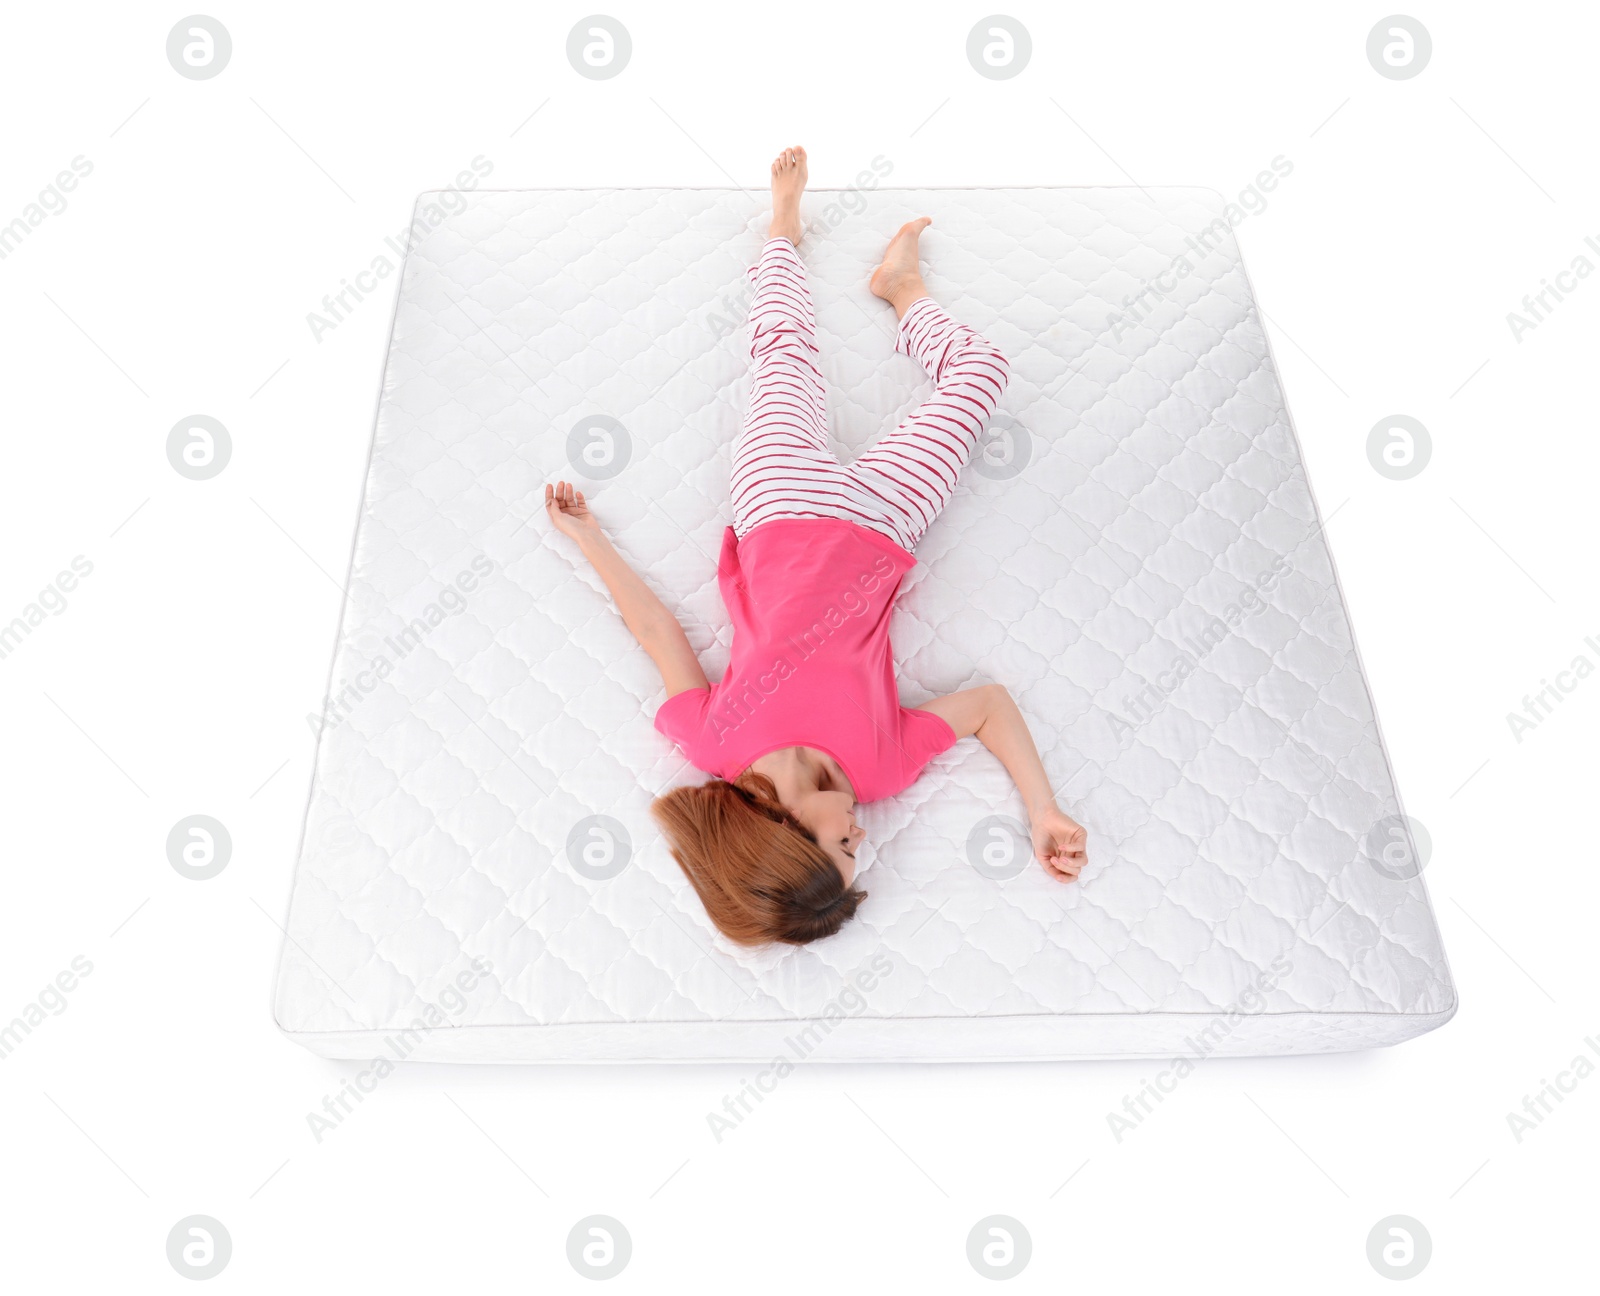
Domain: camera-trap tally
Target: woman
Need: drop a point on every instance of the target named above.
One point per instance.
(807, 723)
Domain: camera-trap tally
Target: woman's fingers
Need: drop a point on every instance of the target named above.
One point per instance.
(561, 495)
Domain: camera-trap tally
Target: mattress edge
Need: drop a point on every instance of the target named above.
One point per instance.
(278, 989)
(625, 1042)
(1446, 975)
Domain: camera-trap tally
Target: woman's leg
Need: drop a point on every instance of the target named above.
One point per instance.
(913, 470)
(782, 466)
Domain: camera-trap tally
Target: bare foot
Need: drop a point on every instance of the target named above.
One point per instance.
(788, 183)
(899, 279)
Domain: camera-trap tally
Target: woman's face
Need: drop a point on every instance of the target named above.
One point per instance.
(831, 819)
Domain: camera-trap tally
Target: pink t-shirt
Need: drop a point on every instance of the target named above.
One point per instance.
(811, 664)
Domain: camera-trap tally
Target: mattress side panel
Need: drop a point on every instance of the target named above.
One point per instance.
(1081, 1037)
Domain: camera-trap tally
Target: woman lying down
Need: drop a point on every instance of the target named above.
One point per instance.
(807, 723)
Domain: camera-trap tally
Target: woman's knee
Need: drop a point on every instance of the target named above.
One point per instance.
(782, 351)
(978, 362)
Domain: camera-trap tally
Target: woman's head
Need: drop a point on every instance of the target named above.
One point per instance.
(759, 871)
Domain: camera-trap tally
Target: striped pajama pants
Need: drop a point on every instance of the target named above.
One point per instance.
(782, 466)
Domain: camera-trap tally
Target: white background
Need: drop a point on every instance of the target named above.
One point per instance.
(177, 680)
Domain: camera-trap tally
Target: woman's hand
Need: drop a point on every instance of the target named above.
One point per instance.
(569, 512)
(1059, 842)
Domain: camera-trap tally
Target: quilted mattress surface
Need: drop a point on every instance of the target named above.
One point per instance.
(1137, 556)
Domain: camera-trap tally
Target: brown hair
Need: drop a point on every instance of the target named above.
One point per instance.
(759, 872)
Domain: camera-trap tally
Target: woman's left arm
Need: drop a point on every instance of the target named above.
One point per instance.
(990, 714)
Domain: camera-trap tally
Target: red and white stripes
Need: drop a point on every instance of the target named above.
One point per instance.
(782, 466)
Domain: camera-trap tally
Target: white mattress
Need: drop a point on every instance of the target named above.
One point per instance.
(1231, 904)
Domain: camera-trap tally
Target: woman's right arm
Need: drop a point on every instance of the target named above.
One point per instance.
(656, 629)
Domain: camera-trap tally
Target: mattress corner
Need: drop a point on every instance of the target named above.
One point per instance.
(280, 1007)
(1452, 1004)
